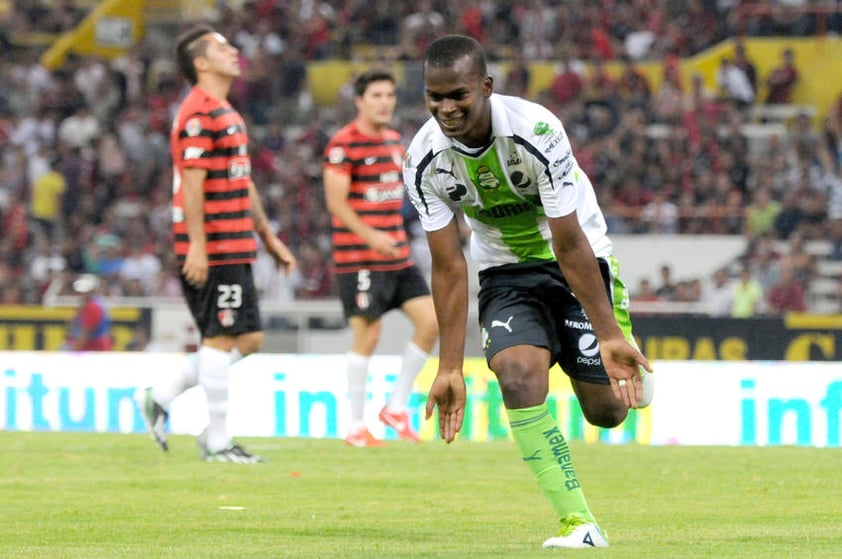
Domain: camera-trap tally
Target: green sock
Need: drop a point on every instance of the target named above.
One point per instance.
(545, 452)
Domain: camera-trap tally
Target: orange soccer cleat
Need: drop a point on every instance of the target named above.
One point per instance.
(362, 437)
(399, 421)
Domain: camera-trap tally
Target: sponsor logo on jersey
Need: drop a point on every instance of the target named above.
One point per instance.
(336, 155)
(588, 345)
(486, 179)
(553, 142)
(193, 127)
(226, 317)
(390, 177)
(514, 159)
(577, 324)
(541, 128)
(443, 171)
(384, 195)
(507, 210)
(561, 454)
(456, 191)
(239, 169)
(520, 180)
(500, 324)
(193, 152)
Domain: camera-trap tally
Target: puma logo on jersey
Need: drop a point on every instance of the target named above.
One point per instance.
(501, 324)
(441, 171)
(370, 160)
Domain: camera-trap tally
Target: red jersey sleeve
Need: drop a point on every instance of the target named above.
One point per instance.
(194, 141)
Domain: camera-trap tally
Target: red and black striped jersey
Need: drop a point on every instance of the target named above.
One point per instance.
(209, 134)
(376, 195)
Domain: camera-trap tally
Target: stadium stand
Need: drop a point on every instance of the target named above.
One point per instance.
(84, 171)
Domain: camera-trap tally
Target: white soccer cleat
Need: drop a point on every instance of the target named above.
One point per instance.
(648, 382)
(576, 533)
(154, 416)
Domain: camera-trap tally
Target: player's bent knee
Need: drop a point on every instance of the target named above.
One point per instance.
(520, 386)
(606, 417)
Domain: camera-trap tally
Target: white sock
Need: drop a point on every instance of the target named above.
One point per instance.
(412, 361)
(213, 376)
(357, 376)
(173, 385)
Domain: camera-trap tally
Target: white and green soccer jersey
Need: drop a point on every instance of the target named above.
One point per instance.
(507, 189)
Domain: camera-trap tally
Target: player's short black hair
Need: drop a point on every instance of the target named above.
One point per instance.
(446, 50)
(370, 76)
(188, 47)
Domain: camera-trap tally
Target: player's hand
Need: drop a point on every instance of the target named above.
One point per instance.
(284, 258)
(448, 393)
(622, 363)
(383, 243)
(195, 268)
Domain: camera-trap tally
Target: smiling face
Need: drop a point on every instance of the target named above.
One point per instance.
(458, 98)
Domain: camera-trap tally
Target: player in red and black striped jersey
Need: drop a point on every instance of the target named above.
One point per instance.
(217, 215)
(374, 269)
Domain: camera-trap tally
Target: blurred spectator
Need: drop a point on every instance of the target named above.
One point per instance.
(517, 76)
(633, 86)
(783, 79)
(787, 294)
(834, 214)
(718, 295)
(45, 206)
(742, 61)
(660, 215)
(761, 214)
(419, 28)
(645, 293)
(747, 296)
(666, 288)
(801, 262)
(790, 216)
(567, 85)
(667, 104)
(733, 83)
(90, 329)
(140, 266)
(599, 87)
(316, 279)
(80, 129)
(45, 262)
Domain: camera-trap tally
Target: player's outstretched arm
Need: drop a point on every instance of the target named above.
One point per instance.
(579, 266)
(450, 295)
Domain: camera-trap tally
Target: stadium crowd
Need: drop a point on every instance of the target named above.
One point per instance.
(85, 178)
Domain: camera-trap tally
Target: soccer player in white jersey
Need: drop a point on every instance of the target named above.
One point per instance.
(549, 286)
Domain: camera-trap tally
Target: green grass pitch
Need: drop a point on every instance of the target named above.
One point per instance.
(68, 495)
